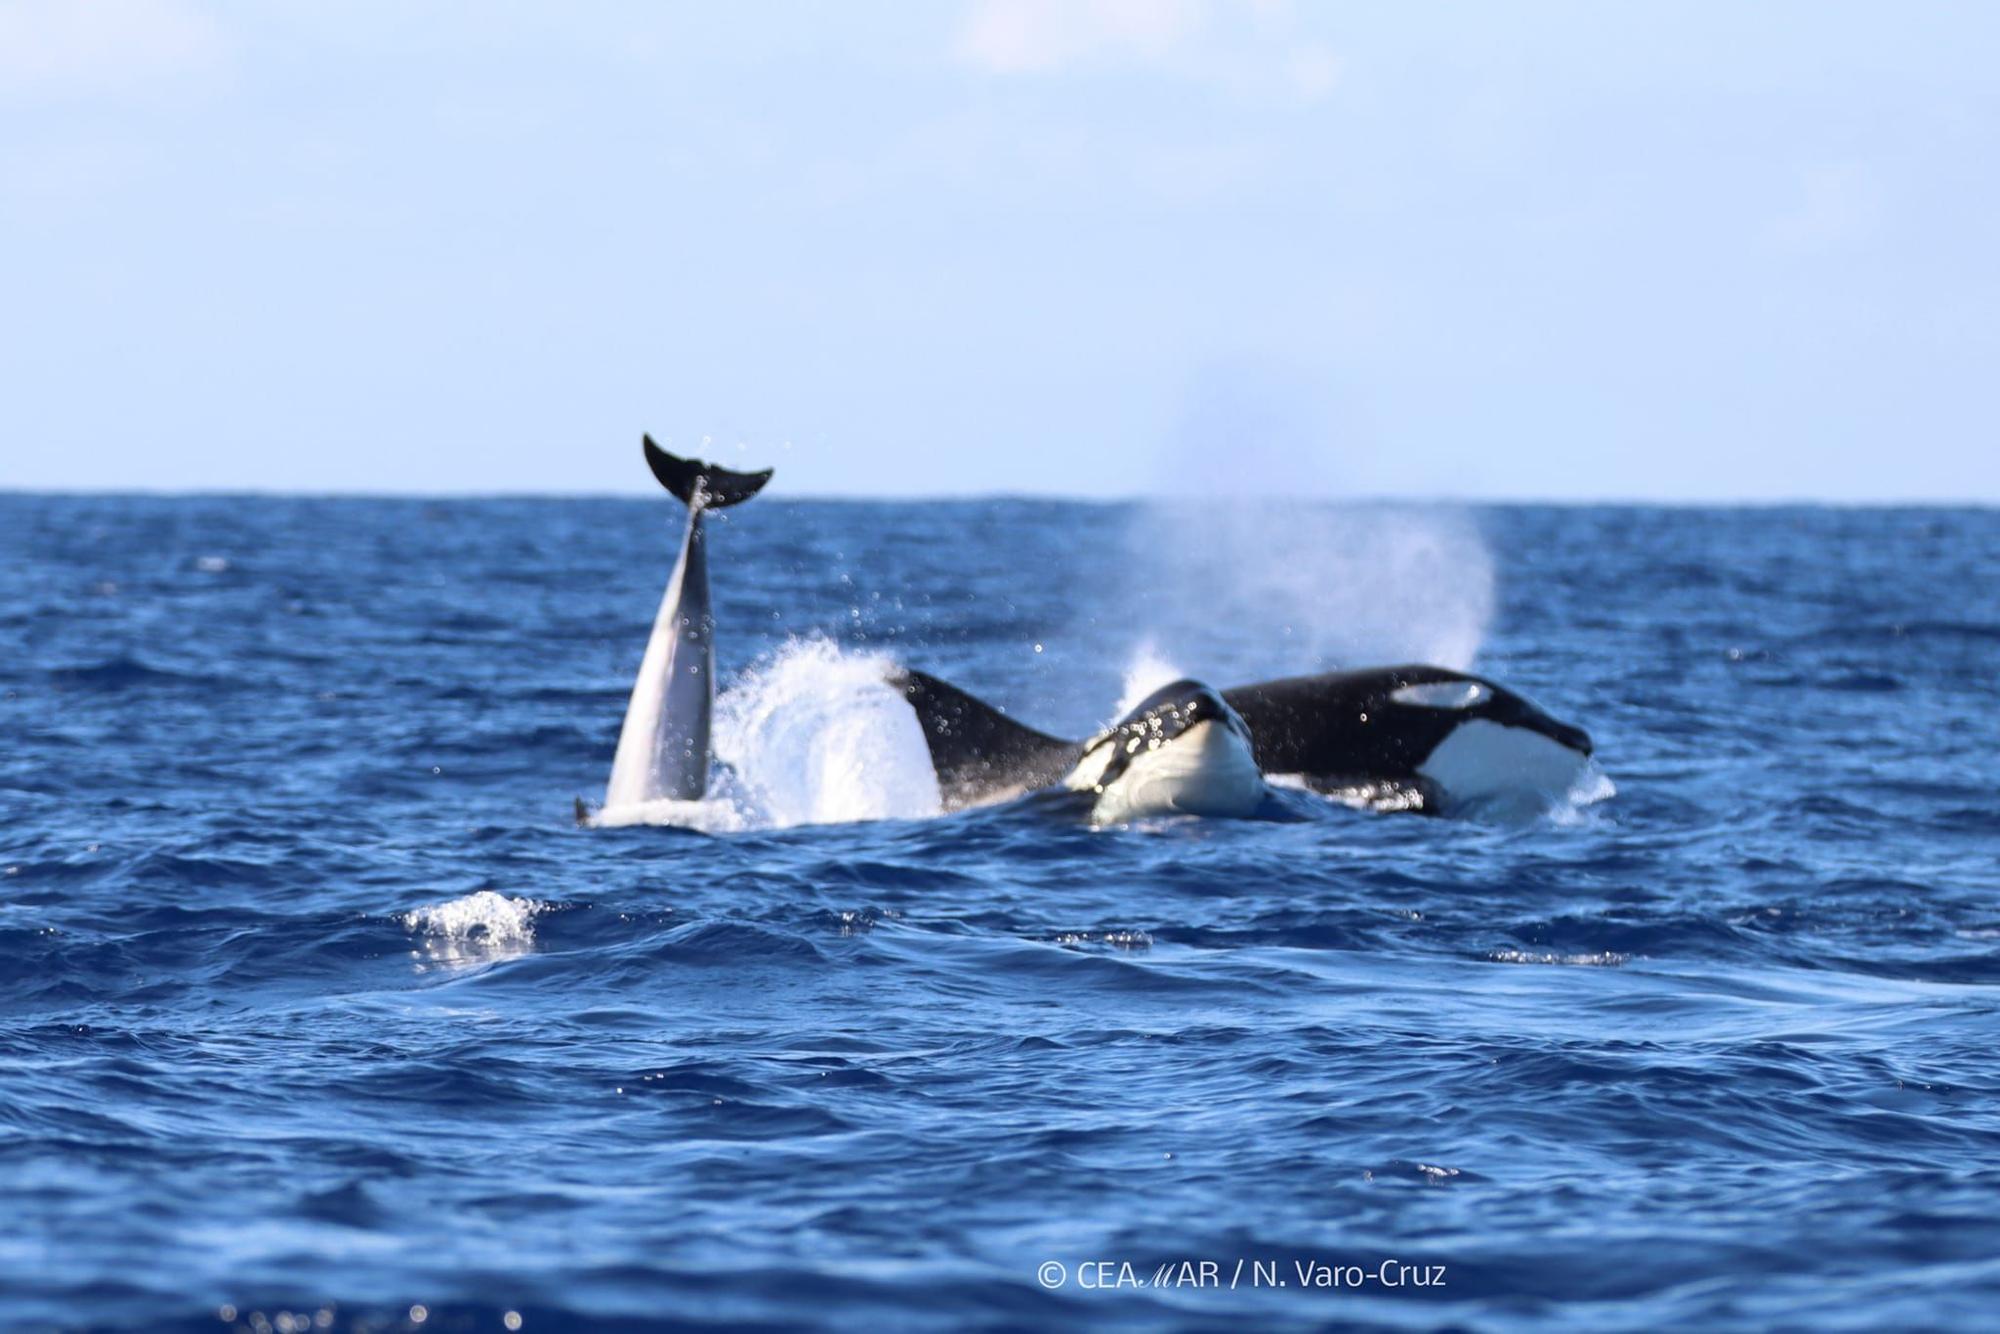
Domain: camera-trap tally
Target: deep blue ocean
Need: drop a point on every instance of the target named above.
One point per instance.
(318, 1010)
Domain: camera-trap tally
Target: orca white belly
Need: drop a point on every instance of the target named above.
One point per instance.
(1207, 770)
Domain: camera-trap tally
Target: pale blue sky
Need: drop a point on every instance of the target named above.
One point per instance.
(1086, 247)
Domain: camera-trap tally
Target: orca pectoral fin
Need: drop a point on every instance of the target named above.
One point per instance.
(715, 486)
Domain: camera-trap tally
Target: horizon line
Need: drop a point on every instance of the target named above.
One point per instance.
(1050, 497)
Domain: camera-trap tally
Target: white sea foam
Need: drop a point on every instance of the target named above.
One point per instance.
(717, 813)
(1600, 959)
(481, 927)
(1118, 940)
(813, 735)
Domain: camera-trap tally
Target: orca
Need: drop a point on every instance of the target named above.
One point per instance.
(663, 745)
(1181, 750)
(1413, 738)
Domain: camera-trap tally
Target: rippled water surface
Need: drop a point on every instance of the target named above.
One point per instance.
(314, 1002)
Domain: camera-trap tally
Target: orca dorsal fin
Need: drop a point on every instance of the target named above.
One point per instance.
(978, 752)
(715, 486)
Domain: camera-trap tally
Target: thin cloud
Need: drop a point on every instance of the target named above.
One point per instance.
(1839, 205)
(59, 47)
(1037, 36)
(1251, 46)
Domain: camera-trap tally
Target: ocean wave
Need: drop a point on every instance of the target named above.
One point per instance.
(316, 1005)
(133, 673)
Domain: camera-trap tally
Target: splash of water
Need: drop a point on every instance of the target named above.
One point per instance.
(1250, 589)
(720, 812)
(1592, 788)
(1148, 670)
(818, 736)
(812, 735)
(480, 927)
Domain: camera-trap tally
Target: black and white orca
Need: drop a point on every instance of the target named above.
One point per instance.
(1180, 751)
(663, 745)
(1410, 738)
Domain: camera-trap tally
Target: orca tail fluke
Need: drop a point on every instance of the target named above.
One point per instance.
(711, 486)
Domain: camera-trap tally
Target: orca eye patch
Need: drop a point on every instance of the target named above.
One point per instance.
(1444, 695)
